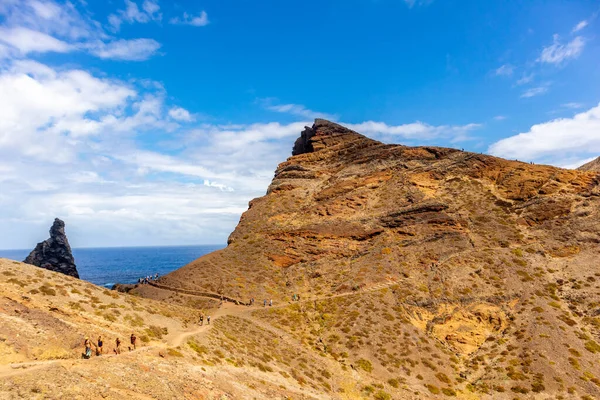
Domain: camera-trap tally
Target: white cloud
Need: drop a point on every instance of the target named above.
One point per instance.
(152, 8)
(580, 26)
(180, 114)
(39, 105)
(295, 109)
(132, 13)
(35, 26)
(535, 91)
(131, 50)
(555, 141)
(505, 70)
(525, 79)
(416, 130)
(49, 17)
(557, 53)
(189, 19)
(28, 41)
(499, 117)
(217, 185)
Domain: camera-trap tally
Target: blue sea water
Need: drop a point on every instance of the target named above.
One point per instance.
(107, 266)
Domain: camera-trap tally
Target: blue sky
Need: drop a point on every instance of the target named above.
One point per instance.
(151, 122)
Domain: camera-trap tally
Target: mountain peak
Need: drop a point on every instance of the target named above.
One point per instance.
(324, 134)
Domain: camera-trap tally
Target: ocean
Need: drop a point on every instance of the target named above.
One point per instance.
(107, 266)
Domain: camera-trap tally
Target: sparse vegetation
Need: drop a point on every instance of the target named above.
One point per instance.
(365, 365)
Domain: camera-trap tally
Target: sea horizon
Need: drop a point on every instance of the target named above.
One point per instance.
(107, 266)
(122, 247)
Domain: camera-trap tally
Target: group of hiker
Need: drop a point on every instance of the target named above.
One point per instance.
(202, 319)
(295, 297)
(99, 346)
(148, 278)
(270, 302)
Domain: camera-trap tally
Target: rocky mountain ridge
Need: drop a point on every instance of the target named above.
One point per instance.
(492, 262)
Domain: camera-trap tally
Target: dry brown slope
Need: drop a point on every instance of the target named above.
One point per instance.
(44, 317)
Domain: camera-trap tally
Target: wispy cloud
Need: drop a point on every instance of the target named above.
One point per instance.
(500, 118)
(295, 109)
(132, 13)
(580, 26)
(32, 26)
(525, 79)
(132, 50)
(504, 70)
(572, 105)
(558, 53)
(535, 91)
(416, 130)
(26, 41)
(189, 19)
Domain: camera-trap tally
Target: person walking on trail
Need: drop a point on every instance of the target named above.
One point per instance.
(271, 303)
(201, 319)
(117, 349)
(99, 348)
(133, 341)
(88, 348)
(264, 302)
(208, 320)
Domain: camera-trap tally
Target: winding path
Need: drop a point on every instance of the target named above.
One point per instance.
(227, 308)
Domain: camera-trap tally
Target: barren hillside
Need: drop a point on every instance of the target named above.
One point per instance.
(430, 268)
(45, 317)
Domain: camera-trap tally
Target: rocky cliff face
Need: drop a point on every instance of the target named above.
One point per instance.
(593, 165)
(54, 253)
(470, 272)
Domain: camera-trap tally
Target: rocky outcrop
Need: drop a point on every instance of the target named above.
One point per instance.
(55, 253)
(593, 165)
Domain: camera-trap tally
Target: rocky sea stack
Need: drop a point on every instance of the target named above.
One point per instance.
(54, 253)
